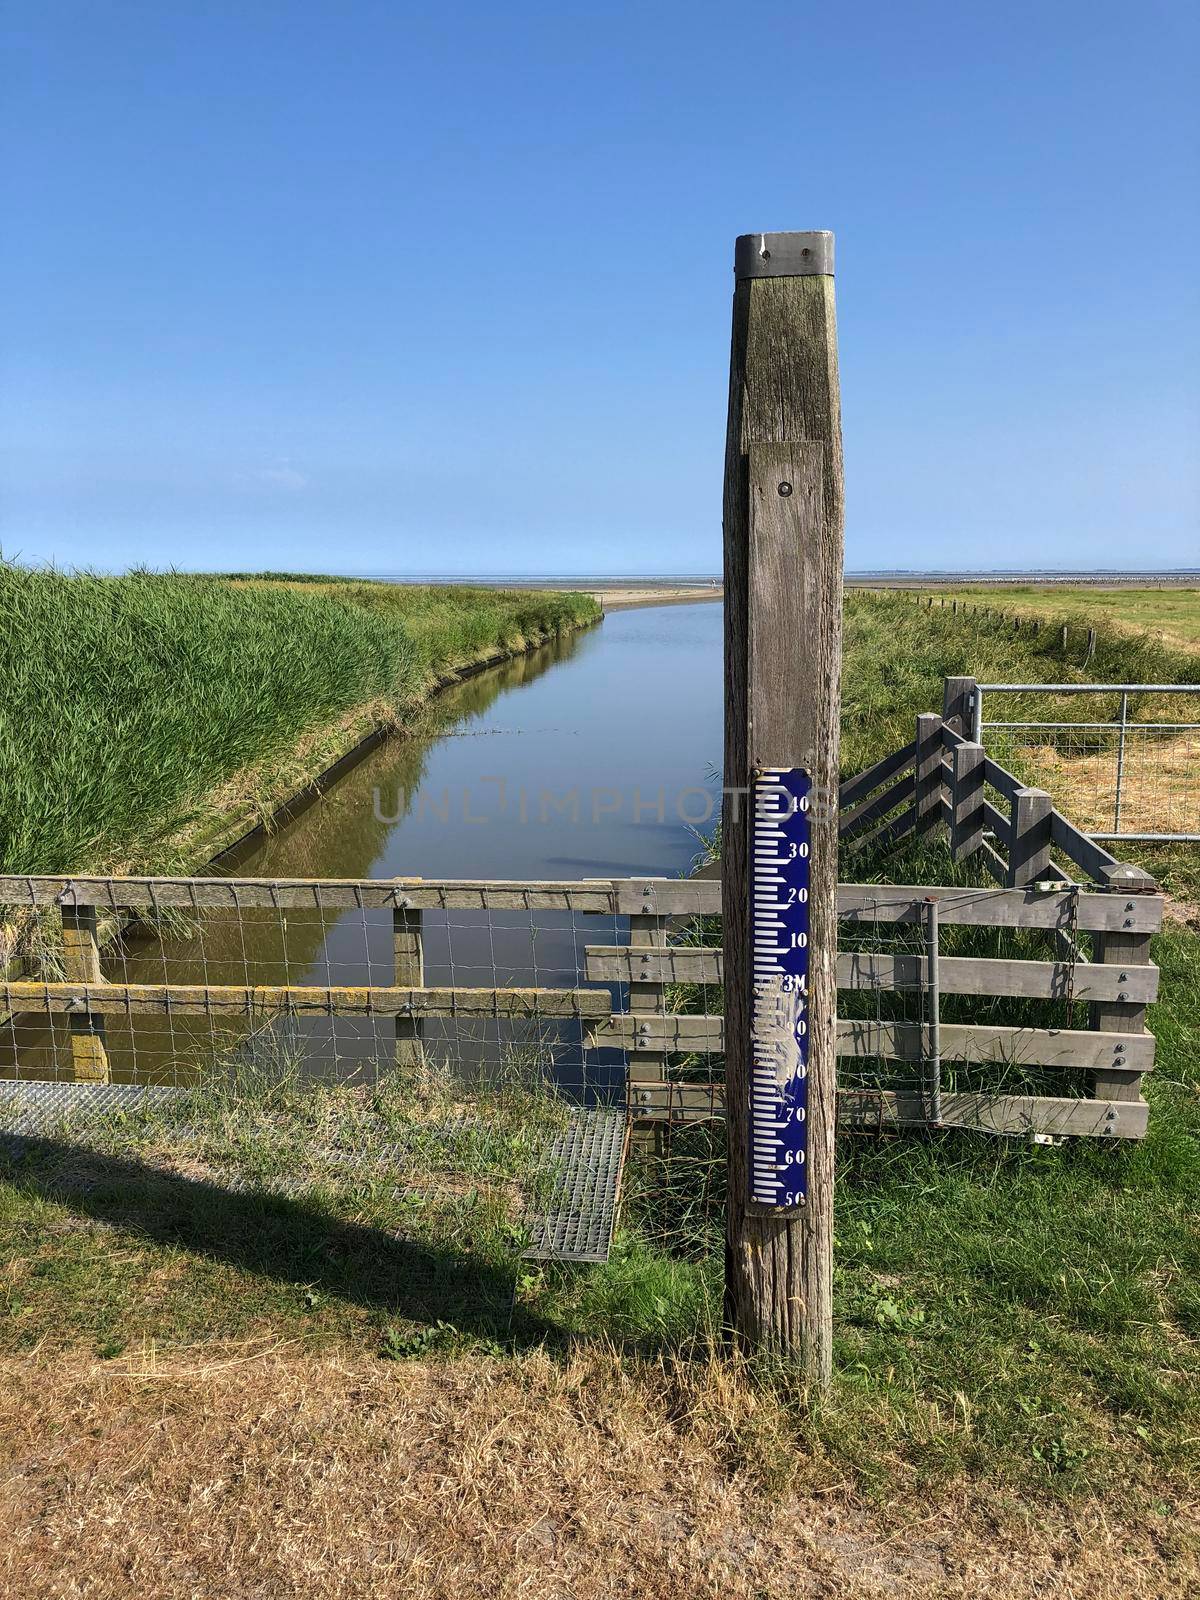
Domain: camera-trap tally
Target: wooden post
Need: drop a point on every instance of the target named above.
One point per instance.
(929, 776)
(783, 530)
(1029, 845)
(958, 698)
(408, 946)
(1121, 1016)
(967, 817)
(81, 964)
(646, 1068)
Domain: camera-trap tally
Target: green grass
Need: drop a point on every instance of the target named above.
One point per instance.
(1173, 613)
(897, 652)
(223, 1216)
(130, 700)
(1021, 1316)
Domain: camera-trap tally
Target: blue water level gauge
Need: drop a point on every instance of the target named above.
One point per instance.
(779, 822)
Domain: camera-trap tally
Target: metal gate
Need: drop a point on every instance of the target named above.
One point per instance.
(1131, 774)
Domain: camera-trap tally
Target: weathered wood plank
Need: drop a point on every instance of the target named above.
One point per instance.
(1029, 837)
(881, 902)
(696, 897)
(408, 971)
(994, 862)
(966, 800)
(676, 964)
(1009, 1114)
(142, 999)
(1088, 856)
(678, 1102)
(291, 894)
(81, 963)
(783, 610)
(1001, 908)
(1018, 1047)
(646, 1067)
(995, 822)
(1122, 949)
(983, 975)
(886, 833)
(1013, 1114)
(957, 708)
(904, 1041)
(988, 975)
(900, 793)
(869, 779)
(929, 782)
(1001, 778)
(650, 896)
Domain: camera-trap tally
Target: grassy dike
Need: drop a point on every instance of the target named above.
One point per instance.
(142, 716)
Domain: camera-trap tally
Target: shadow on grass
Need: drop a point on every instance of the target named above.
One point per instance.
(282, 1238)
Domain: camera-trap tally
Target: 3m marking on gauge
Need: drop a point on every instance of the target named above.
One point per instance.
(779, 857)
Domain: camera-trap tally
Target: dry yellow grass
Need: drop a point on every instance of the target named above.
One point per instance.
(273, 1475)
(1160, 787)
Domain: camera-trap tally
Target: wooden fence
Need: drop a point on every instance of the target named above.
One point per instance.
(938, 780)
(1093, 915)
(1098, 915)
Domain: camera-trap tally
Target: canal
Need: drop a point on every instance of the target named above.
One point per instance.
(593, 757)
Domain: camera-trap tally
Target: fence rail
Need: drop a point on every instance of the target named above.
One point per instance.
(1014, 1009)
(646, 1000)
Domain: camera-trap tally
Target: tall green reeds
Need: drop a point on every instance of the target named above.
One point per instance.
(124, 701)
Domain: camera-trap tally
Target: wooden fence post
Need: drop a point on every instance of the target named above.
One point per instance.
(408, 947)
(646, 1069)
(966, 802)
(81, 964)
(1121, 1016)
(958, 699)
(783, 534)
(930, 787)
(1029, 845)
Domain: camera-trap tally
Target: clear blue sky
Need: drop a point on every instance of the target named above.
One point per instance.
(383, 287)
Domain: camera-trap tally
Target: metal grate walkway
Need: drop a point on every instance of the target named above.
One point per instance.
(581, 1213)
(587, 1157)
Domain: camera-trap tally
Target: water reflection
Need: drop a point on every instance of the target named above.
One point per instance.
(628, 720)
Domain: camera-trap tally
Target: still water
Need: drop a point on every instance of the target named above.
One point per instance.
(592, 757)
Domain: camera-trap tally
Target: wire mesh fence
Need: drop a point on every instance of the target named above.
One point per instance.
(962, 1002)
(186, 990)
(1131, 771)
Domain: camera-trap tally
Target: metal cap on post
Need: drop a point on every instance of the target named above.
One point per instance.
(783, 255)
